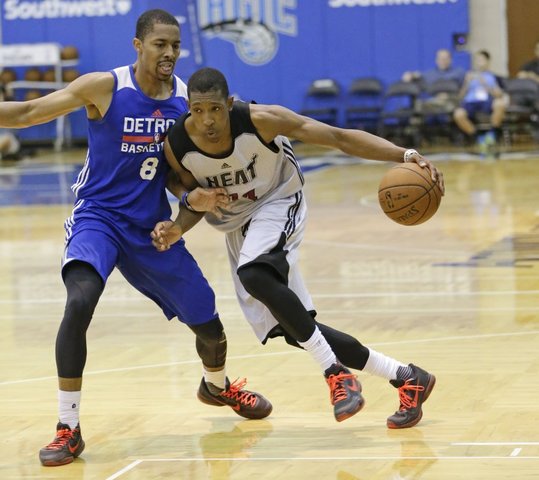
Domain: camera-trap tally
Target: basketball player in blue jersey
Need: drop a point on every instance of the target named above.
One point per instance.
(120, 196)
(242, 147)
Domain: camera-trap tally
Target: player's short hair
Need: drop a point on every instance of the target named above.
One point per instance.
(208, 80)
(149, 18)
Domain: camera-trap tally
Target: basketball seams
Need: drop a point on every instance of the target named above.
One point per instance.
(408, 204)
(424, 211)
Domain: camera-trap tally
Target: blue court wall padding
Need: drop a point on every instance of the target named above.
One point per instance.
(270, 50)
(341, 39)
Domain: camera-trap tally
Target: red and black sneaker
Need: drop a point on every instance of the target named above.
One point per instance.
(245, 403)
(412, 394)
(66, 446)
(344, 392)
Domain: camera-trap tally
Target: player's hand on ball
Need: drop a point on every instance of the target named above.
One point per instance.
(165, 234)
(208, 199)
(436, 175)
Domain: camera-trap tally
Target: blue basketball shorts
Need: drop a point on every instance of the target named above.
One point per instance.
(172, 279)
(473, 108)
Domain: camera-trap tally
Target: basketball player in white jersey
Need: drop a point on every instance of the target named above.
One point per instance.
(242, 147)
(120, 195)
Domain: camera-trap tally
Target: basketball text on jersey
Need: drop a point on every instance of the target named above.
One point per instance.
(144, 134)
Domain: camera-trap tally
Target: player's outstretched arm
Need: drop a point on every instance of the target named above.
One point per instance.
(273, 120)
(93, 90)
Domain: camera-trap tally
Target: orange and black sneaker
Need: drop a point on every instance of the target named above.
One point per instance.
(344, 392)
(412, 394)
(245, 403)
(66, 446)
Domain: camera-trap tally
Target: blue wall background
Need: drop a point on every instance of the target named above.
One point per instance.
(270, 50)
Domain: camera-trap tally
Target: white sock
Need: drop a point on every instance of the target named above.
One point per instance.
(320, 350)
(68, 407)
(217, 378)
(382, 366)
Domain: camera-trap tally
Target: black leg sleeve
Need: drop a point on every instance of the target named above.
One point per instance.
(211, 343)
(265, 284)
(348, 350)
(84, 287)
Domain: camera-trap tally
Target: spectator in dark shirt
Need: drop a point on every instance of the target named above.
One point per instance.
(444, 70)
(531, 69)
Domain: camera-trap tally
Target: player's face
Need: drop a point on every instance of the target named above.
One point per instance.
(210, 114)
(159, 50)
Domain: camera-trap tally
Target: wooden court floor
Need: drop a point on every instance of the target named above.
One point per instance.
(458, 295)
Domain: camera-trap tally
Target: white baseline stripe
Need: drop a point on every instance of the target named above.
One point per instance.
(369, 311)
(363, 311)
(119, 473)
(458, 338)
(155, 365)
(274, 354)
(314, 295)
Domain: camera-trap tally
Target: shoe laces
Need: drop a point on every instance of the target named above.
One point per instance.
(337, 389)
(62, 438)
(409, 400)
(235, 392)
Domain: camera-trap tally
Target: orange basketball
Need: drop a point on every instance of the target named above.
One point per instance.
(32, 94)
(49, 75)
(8, 75)
(32, 74)
(69, 74)
(408, 195)
(69, 52)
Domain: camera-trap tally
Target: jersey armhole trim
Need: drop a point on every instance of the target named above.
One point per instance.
(272, 146)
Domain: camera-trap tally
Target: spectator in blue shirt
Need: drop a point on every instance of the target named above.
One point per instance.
(481, 92)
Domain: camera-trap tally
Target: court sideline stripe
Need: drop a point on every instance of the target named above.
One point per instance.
(370, 311)
(273, 354)
(315, 295)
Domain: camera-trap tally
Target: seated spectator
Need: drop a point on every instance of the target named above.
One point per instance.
(481, 93)
(444, 70)
(9, 143)
(442, 102)
(531, 69)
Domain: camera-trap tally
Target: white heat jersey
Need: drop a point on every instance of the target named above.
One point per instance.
(253, 173)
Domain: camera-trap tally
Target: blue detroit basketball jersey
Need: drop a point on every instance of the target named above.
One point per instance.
(125, 169)
(121, 195)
